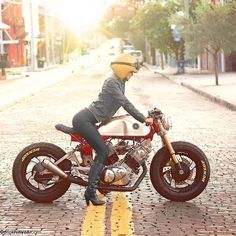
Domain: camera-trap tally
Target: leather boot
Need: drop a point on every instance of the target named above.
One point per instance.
(93, 180)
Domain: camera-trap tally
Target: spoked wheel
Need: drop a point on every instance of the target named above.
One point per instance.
(175, 184)
(32, 180)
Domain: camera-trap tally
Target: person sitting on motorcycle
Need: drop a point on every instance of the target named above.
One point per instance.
(110, 99)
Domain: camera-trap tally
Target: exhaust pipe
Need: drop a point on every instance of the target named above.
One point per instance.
(53, 168)
(56, 170)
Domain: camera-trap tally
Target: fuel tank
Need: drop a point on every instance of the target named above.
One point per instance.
(124, 125)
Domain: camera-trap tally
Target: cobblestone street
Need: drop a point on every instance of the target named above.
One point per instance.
(144, 211)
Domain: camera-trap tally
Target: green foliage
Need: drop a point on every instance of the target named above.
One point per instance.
(117, 23)
(152, 21)
(206, 26)
(149, 22)
(212, 29)
(118, 26)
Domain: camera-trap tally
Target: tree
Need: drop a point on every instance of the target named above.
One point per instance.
(152, 21)
(212, 29)
(117, 22)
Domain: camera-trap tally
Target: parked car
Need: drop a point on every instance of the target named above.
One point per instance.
(138, 54)
(128, 48)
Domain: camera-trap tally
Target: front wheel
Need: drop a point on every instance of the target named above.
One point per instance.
(172, 184)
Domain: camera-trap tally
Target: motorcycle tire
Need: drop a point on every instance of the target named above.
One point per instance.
(27, 186)
(166, 178)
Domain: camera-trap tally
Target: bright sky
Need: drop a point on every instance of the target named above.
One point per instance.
(81, 14)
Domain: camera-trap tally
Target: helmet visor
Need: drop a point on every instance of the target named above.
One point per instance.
(136, 64)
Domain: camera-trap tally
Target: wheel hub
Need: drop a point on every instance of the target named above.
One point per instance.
(39, 177)
(180, 175)
(44, 178)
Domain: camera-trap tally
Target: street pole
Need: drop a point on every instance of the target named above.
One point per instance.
(186, 8)
(183, 47)
(32, 39)
(3, 73)
(52, 40)
(199, 62)
(222, 59)
(1, 38)
(47, 40)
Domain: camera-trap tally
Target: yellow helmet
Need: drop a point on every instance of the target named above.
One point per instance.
(124, 64)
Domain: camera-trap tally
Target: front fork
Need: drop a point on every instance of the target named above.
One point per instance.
(167, 143)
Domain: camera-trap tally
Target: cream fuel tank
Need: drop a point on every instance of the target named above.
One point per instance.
(124, 125)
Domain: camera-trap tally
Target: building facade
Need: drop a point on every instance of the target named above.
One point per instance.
(34, 27)
(12, 15)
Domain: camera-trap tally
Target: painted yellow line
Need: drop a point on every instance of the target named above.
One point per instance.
(93, 223)
(121, 216)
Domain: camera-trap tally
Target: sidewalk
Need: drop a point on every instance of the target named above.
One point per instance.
(203, 83)
(21, 83)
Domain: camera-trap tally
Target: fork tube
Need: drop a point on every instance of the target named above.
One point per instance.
(167, 143)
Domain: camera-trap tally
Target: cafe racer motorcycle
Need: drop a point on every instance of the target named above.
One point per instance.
(179, 171)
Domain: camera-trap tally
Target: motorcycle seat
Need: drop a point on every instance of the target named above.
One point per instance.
(65, 129)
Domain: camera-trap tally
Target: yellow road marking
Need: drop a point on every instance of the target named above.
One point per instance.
(121, 216)
(93, 223)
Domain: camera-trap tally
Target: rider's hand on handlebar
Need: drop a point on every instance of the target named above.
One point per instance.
(148, 121)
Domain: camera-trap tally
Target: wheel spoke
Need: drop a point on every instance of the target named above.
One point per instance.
(29, 172)
(179, 157)
(41, 186)
(167, 178)
(33, 182)
(189, 181)
(31, 175)
(38, 159)
(173, 183)
(166, 169)
(34, 161)
(192, 165)
(50, 183)
(28, 179)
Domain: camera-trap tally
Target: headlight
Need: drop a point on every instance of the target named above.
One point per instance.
(166, 122)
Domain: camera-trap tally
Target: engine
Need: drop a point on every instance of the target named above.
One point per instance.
(138, 155)
(118, 172)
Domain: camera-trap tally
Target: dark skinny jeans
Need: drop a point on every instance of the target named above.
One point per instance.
(84, 123)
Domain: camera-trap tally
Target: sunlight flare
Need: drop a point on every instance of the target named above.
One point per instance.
(81, 15)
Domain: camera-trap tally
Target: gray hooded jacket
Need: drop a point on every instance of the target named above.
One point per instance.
(111, 98)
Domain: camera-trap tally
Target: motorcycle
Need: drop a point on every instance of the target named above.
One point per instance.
(179, 171)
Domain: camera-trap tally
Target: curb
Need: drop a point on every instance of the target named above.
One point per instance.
(210, 97)
(32, 92)
(15, 77)
(20, 75)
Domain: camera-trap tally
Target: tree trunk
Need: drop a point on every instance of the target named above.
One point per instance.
(177, 59)
(216, 67)
(177, 55)
(162, 61)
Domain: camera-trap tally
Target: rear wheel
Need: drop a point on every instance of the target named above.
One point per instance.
(173, 184)
(32, 180)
